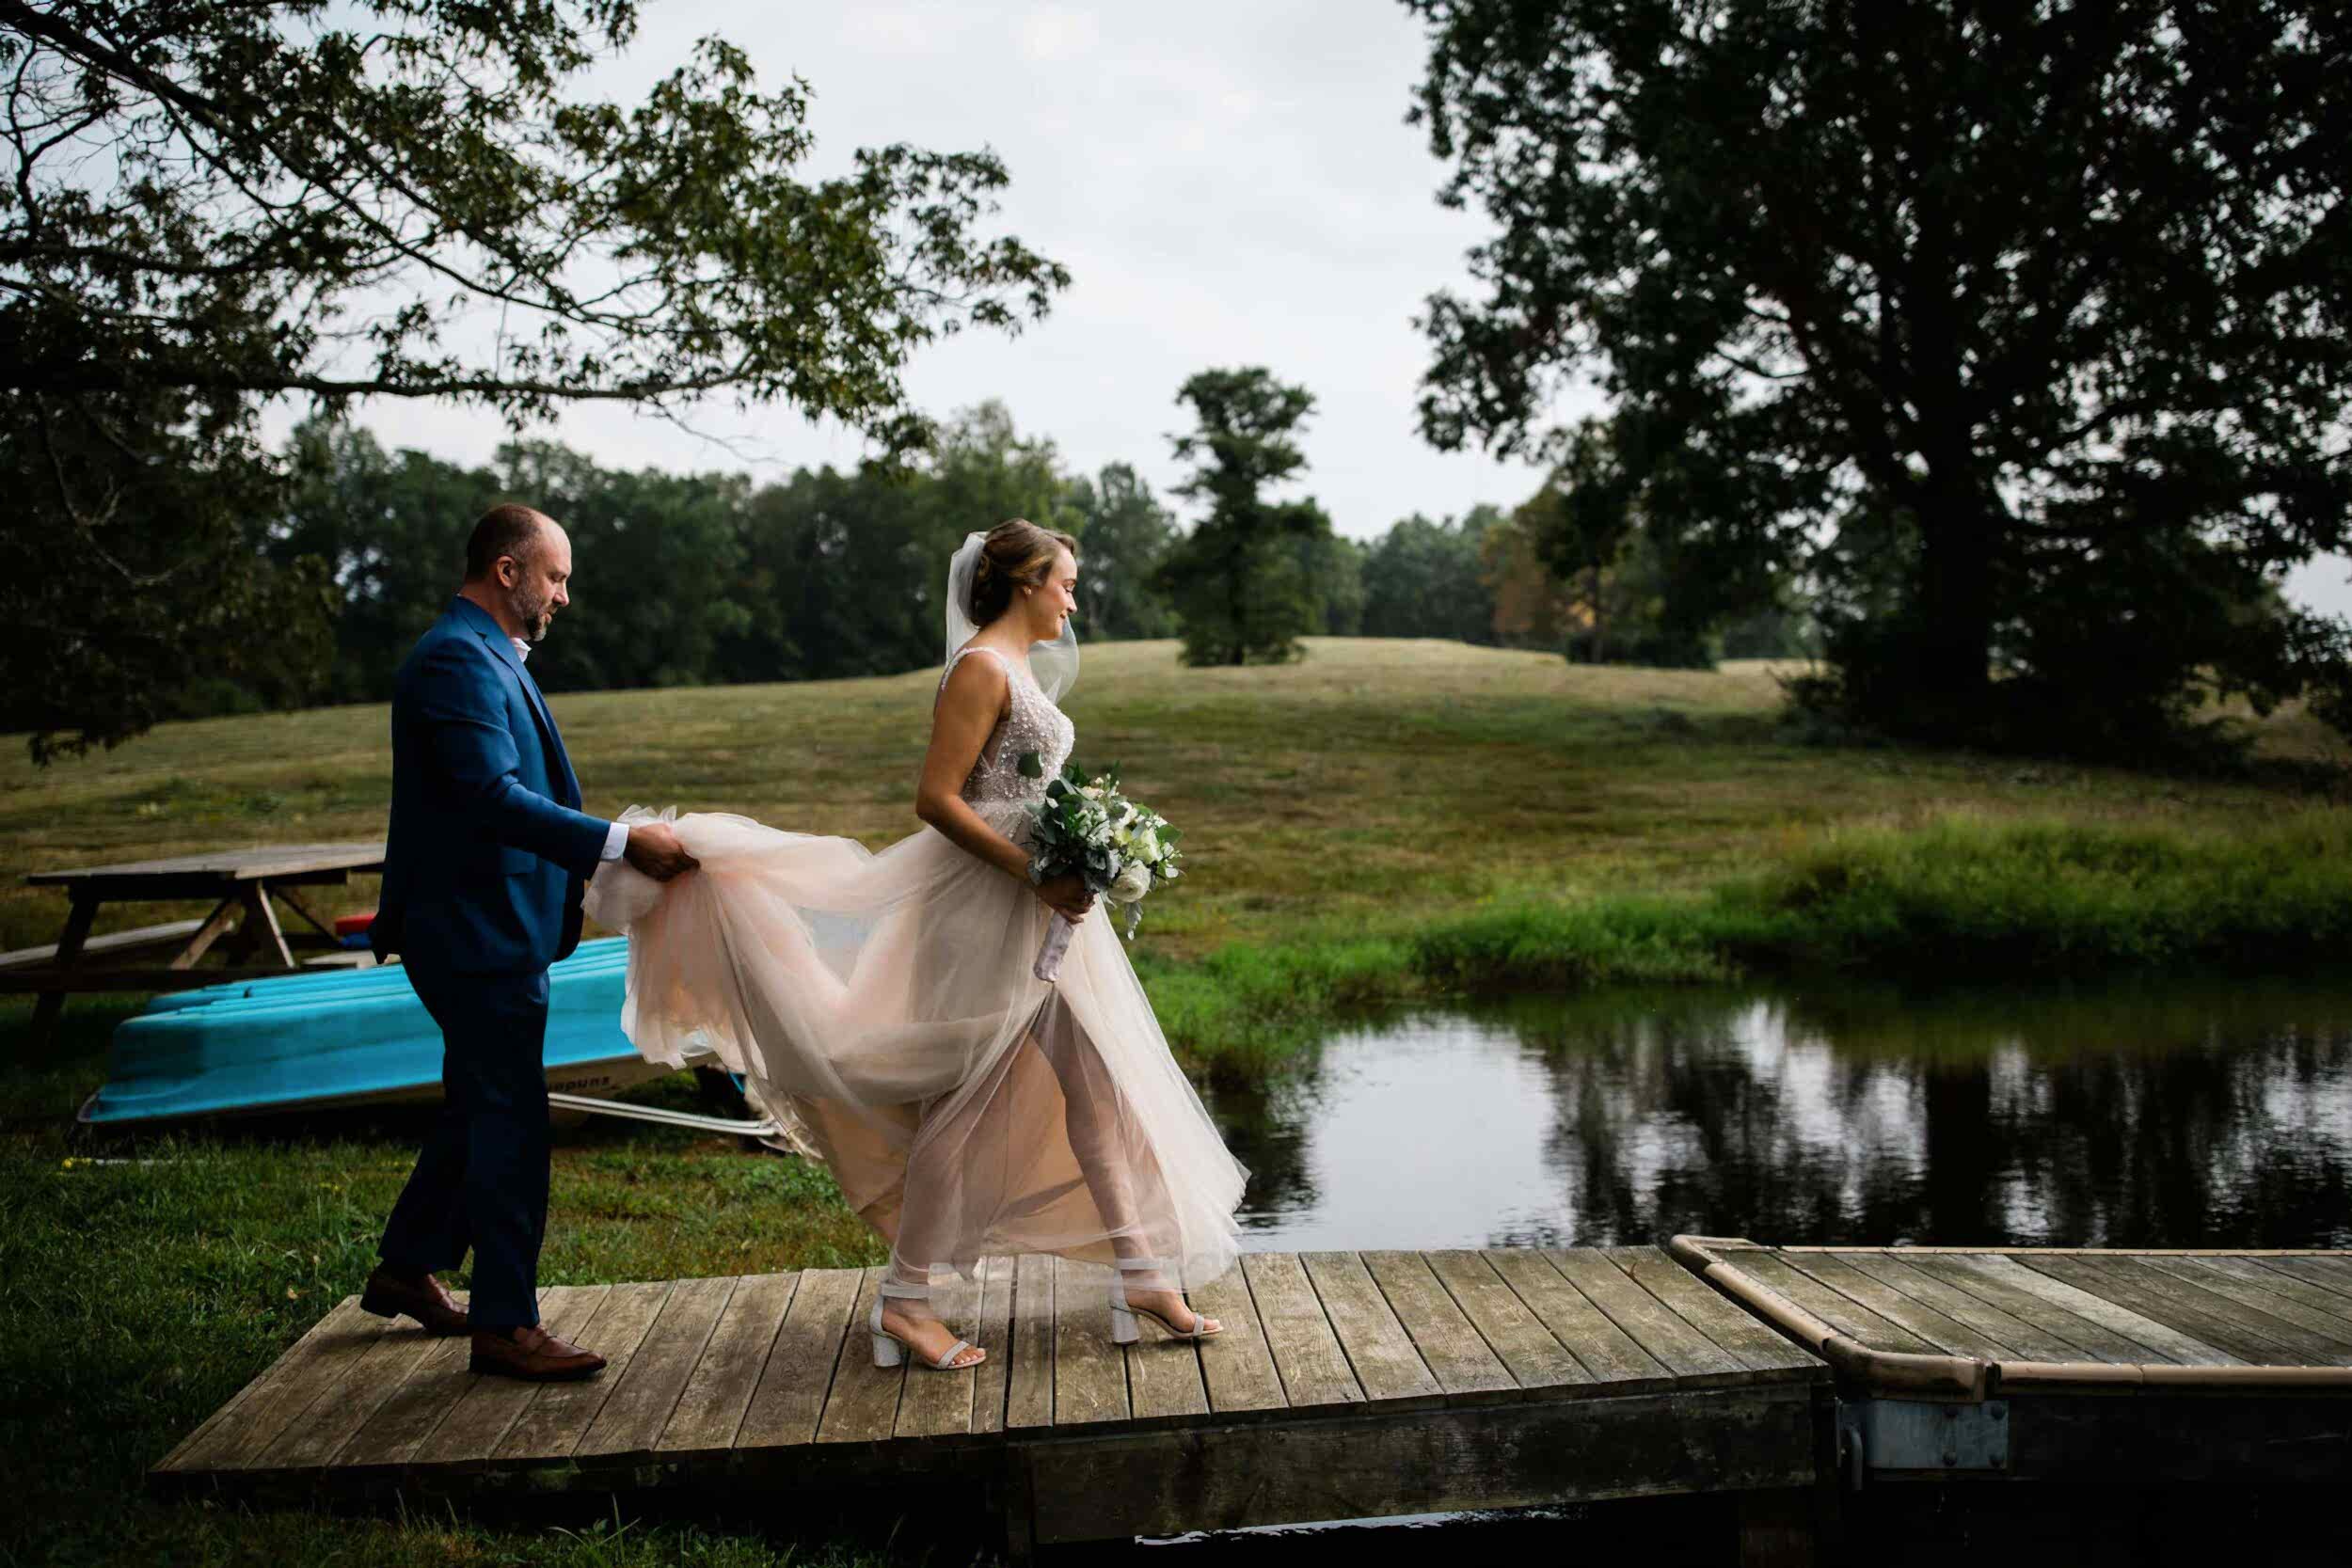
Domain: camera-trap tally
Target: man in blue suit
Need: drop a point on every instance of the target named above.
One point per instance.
(484, 870)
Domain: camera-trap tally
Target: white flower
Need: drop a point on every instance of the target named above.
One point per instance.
(1147, 845)
(1130, 885)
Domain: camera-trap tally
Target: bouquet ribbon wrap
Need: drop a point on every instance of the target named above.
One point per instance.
(1057, 935)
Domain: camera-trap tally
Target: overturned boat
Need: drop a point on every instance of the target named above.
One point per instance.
(350, 1037)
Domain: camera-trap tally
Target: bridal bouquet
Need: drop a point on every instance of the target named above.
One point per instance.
(1123, 850)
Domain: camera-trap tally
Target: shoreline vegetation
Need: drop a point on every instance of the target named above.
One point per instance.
(1401, 821)
(1958, 900)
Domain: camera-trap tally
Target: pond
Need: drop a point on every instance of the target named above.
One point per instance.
(2171, 1112)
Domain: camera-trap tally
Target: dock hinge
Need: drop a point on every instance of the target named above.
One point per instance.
(1877, 1436)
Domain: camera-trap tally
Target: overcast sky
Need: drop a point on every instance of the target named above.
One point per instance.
(1228, 184)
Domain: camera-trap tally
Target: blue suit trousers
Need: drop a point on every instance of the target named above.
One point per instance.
(481, 1181)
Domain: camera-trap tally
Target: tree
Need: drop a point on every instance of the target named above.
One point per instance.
(215, 204)
(1592, 531)
(391, 530)
(1532, 608)
(656, 559)
(1122, 537)
(1242, 580)
(2052, 295)
(1426, 579)
(1333, 569)
(128, 574)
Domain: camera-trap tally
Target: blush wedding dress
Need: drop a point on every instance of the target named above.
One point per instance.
(883, 1008)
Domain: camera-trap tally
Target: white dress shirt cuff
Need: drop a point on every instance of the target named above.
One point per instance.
(615, 840)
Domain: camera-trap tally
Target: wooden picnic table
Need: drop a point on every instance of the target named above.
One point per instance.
(242, 884)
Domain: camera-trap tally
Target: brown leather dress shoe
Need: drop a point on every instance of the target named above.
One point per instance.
(532, 1354)
(427, 1300)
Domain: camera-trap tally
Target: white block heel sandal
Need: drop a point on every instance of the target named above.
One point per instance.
(889, 1350)
(1123, 1329)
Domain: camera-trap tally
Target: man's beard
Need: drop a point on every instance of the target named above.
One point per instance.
(535, 615)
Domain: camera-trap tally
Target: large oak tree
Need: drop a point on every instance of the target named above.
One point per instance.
(209, 204)
(2021, 323)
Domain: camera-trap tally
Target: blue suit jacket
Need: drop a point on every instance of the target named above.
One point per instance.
(489, 851)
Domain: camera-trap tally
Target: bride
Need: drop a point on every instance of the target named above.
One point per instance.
(884, 1008)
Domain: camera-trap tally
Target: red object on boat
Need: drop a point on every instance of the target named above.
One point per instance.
(350, 925)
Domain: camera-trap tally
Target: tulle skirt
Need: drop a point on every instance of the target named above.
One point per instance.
(883, 1006)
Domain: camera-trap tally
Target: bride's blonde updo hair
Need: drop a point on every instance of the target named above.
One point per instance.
(1016, 554)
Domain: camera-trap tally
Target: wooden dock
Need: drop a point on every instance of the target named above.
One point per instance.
(2064, 1365)
(1345, 1386)
(1807, 1381)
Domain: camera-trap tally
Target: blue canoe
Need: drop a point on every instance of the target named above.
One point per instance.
(340, 1037)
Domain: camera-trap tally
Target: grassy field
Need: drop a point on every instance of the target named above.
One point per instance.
(1384, 818)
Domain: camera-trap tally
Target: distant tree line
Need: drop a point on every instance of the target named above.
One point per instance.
(710, 579)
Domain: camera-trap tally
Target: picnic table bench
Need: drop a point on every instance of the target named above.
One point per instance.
(243, 923)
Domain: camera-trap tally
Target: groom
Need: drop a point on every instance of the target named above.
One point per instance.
(483, 877)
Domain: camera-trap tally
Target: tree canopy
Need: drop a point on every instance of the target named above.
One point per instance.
(1248, 580)
(211, 204)
(703, 578)
(2021, 326)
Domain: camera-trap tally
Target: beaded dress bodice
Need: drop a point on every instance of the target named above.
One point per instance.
(1034, 724)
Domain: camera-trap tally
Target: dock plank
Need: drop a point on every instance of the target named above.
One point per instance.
(339, 1413)
(1663, 1334)
(424, 1399)
(1609, 1355)
(1759, 1347)
(2258, 1338)
(2019, 1338)
(1236, 1364)
(559, 1412)
(645, 1396)
(710, 1408)
(1307, 1354)
(488, 1406)
(994, 1336)
(2173, 1345)
(1466, 1367)
(2090, 1339)
(1922, 1322)
(863, 1403)
(939, 1404)
(2329, 1274)
(1164, 1379)
(1029, 1388)
(1379, 1352)
(1842, 1312)
(262, 1409)
(1519, 1340)
(1089, 1371)
(785, 1408)
(2317, 1298)
(2272, 1301)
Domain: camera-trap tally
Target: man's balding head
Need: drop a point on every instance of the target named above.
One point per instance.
(518, 567)
(509, 529)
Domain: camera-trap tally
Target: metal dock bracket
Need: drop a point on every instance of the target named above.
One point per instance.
(1942, 1437)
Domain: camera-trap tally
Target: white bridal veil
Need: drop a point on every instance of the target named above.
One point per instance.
(1054, 665)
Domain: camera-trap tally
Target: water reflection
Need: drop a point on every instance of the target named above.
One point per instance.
(2181, 1114)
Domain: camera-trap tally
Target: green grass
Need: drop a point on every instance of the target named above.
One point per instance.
(1383, 820)
(144, 1282)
